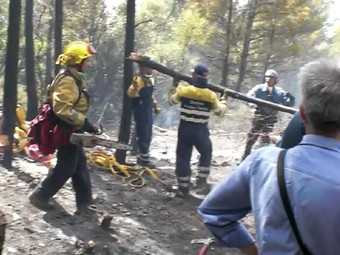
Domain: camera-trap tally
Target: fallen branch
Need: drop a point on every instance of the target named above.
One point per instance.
(138, 58)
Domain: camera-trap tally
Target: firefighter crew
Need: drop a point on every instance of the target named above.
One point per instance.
(143, 105)
(265, 118)
(196, 104)
(69, 102)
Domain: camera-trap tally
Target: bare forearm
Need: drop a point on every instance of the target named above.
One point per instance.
(250, 250)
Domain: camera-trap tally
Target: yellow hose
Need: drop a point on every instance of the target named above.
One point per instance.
(99, 159)
(20, 140)
(134, 176)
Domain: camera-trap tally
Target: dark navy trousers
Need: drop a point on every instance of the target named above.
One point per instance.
(71, 163)
(144, 120)
(262, 125)
(192, 135)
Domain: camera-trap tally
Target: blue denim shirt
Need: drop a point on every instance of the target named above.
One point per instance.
(278, 96)
(312, 172)
(293, 133)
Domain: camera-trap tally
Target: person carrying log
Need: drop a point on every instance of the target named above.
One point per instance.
(143, 105)
(197, 103)
(144, 60)
(265, 118)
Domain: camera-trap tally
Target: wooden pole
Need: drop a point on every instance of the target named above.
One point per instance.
(138, 58)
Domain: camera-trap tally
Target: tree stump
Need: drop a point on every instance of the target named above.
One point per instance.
(105, 224)
(2, 230)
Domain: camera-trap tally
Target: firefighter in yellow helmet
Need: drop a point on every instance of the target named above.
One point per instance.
(70, 102)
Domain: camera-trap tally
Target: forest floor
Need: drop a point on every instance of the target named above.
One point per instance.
(146, 220)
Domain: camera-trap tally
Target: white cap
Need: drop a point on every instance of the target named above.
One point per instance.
(271, 73)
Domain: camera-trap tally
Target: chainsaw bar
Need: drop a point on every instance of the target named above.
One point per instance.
(89, 140)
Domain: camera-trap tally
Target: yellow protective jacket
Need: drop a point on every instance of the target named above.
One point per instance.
(139, 84)
(67, 103)
(197, 104)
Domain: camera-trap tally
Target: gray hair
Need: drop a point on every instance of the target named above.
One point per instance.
(319, 83)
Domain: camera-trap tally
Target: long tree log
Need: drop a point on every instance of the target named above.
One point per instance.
(138, 58)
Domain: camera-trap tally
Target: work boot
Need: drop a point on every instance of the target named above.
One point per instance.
(133, 153)
(85, 210)
(96, 199)
(38, 203)
(144, 163)
(202, 188)
(182, 193)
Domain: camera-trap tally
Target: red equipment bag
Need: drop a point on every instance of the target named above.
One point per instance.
(48, 131)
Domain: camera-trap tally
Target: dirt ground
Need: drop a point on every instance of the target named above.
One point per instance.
(145, 220)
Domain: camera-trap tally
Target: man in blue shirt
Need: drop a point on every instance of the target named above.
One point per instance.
(293, 133)
(312, 180)
(265, 118)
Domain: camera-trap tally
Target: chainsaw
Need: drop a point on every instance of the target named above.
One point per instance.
(89, 140)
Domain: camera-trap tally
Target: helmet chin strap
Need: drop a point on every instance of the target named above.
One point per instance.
(79, 66)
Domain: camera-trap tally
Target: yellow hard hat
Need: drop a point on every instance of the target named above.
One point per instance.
(75, 53)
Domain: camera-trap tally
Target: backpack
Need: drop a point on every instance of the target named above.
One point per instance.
(47, 130)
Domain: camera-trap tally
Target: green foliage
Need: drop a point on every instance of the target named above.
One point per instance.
(181, 33)
(335, 45)
(192, 29)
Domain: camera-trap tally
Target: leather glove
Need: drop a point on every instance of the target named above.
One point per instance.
(99, 128)
(90, 128)
(157, 110)
(170, 93)
(224, 97)
(172, 90)
(290, 95)
(175, 81)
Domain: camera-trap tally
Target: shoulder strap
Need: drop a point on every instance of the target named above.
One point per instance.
(286, 202)
(78, 82)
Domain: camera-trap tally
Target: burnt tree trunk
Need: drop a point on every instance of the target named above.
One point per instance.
(32, 98)
(225, 64)
(48, 71)
(11, 78)
(246, 44)
(2, 230)
(125, 124)
(58, 32)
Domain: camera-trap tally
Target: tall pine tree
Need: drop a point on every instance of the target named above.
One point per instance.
(32, 99)
(11, 78)
(125, 124)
